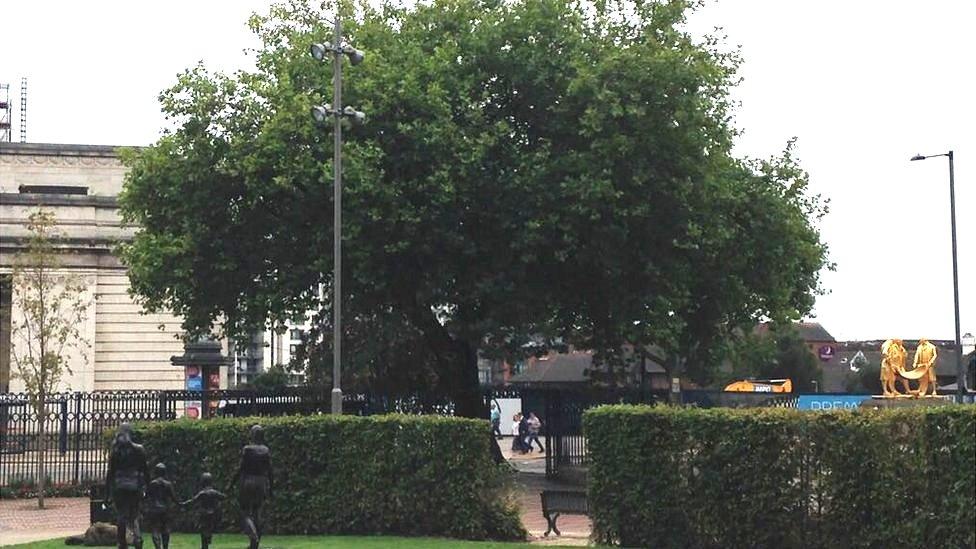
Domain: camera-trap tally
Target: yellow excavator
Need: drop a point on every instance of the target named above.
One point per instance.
(761, 386)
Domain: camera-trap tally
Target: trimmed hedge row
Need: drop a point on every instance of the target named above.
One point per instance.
(673, 477)
(408, 475)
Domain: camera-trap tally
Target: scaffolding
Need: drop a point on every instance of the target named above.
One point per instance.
(23, 110)
(5, 113)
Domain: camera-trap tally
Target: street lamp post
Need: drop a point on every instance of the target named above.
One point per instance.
(320, 114)
(960, 369)
(969, 342)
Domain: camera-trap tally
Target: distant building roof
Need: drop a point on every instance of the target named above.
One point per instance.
(808, 331)
(556, 368)
(569, 367)
(813, 331)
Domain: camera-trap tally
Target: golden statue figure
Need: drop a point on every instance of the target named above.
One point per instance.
(893, 356)
(923, 368)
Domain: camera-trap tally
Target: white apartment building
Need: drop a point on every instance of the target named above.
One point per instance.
(264, 350)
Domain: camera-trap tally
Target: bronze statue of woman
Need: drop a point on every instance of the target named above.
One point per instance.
(125, 484)
(256, 484)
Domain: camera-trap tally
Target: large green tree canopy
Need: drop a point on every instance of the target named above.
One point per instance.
(544, 168)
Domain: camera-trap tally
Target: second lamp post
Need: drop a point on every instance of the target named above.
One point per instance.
(960, 369)
(336, 50)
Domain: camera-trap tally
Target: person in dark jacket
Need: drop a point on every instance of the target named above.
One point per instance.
(517, 445)
(523, 434)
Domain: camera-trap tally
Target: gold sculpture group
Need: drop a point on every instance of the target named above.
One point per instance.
(893, 356)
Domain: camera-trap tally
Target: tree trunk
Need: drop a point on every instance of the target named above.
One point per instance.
(42, 451)
(458, 362)
(675, 362)
(468, 400)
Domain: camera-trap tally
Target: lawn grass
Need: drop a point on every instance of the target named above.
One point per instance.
(237, 541)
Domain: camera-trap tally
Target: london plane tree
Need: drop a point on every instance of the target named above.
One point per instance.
(530, 169)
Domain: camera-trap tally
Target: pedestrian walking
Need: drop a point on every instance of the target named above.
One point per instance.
(517, 442)
(535, 425)
(523, 433)
(496, 420)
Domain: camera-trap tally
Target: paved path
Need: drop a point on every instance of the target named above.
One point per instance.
(531, 482)
(532, 462)
(21, 521)
(575, 528)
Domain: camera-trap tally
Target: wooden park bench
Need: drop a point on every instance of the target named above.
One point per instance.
(559, 502)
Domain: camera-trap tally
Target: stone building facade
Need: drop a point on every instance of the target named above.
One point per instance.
(125, 348)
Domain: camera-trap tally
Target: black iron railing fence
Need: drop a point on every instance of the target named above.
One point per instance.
(73, 427)
(565, 443)
(564, 412)
(75, 453)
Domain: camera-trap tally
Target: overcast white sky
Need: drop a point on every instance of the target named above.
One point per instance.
(863, 84)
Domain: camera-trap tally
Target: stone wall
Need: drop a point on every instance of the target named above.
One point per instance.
(132, 348)
(125, 349)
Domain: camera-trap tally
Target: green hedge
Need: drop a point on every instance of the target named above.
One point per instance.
(673, 477)
(408, 475)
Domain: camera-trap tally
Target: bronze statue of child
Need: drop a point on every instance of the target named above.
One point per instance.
(159, 501)
(207, 501)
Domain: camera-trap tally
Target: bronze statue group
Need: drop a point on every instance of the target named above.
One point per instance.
(135, 496)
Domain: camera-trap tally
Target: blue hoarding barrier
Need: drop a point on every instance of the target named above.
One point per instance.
(829, 402)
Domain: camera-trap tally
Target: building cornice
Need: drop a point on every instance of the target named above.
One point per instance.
(17, 199)
(58, 149)
(56, 154)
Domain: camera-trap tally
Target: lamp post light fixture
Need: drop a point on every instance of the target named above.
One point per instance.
(960, 368)
(320, 114)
